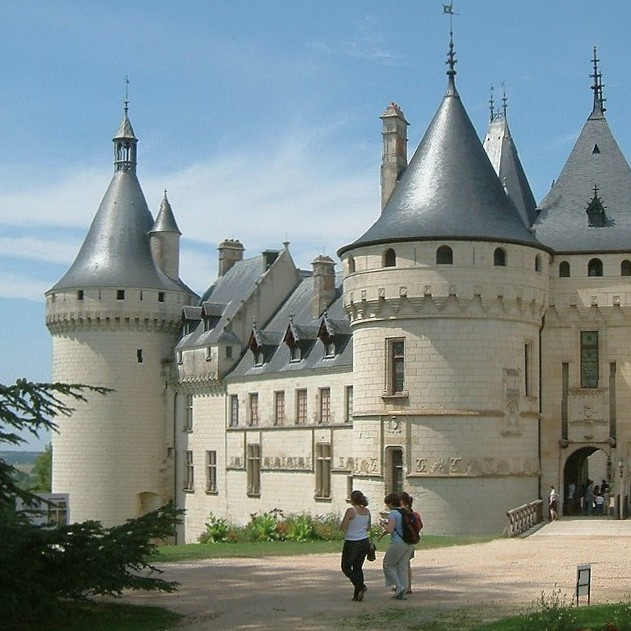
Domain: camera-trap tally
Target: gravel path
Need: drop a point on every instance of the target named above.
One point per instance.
(310, 592)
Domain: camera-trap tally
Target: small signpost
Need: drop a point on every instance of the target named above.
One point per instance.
(583, 581)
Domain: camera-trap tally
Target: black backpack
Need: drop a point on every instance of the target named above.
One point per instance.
(411, 527)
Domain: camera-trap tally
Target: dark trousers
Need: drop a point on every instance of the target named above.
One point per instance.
(353, 557)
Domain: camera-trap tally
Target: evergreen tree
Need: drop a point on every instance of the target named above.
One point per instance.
(44, 567)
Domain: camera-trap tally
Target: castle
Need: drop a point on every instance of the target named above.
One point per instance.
(472, 349)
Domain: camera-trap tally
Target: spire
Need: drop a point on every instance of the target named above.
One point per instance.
(451, 58)
(491, 106)
(125, 140)
(504, 100)
(165, 221)
(597, 87)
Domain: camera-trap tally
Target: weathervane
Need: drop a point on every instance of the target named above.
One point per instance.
(126, 94)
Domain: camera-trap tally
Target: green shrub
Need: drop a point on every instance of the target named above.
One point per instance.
(553, 614)
(217, 530)
(264, 526)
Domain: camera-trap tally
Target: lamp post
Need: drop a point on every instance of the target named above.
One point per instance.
(621, 489)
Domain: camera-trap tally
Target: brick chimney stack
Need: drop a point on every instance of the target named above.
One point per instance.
(395, 150)
(230, 251)
(323, 284)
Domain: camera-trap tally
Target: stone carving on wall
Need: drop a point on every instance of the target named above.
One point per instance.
(286, 463)
(393, 425)
(511, 417)
(365, 466)
(588, 416)
(344, 464)
(236, 462)
(474, 467)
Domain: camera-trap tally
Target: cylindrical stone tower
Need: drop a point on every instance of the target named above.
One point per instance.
(446, 293)
(114, 319)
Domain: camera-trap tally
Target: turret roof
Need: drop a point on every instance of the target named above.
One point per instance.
(500, 148)
(116, 250)
(449, 189)
(165, 221)
(595, 163)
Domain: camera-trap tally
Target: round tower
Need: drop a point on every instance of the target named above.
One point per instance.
(114, 318)
(445, 294)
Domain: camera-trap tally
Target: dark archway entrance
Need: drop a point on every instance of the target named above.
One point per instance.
(578, 469)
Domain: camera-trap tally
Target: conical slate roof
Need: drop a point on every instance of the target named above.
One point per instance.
(449, 189)
(595, 162)
(165, 221)
(500, 148)
(116, 250)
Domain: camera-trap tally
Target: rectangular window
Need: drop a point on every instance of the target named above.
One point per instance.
(139, 355)
(80, 294)
(325, 405)
(188, 413)
(348, 404)
(211, 472)
(160, 296)
(301, 407)
(234, 410)
(120, 294)
(279, 408)
(394, 470)
(396, 368)
(254, 469)
(189, 478)
(323, 470)
(254, 408)
(589, 359)
(228, 352)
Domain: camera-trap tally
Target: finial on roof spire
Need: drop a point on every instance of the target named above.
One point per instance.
(451, 56)
(492, 104)
(597, 87)
(504, 99)
(126, 94)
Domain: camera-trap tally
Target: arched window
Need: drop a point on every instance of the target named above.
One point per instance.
(499, 257)
(538, 263)
(389, 258)
(625, 268)
(564, 269)
(444, 255)
(351, 265)
(595, 268)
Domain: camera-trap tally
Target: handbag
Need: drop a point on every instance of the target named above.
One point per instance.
(372, 551)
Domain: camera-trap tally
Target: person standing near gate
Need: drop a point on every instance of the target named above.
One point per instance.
(553, 504)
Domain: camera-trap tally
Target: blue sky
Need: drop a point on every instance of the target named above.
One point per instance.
(262, 118)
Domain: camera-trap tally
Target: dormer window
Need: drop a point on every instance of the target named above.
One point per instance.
(329, 349)
(259, 357)
(295, 353)
(596, 217)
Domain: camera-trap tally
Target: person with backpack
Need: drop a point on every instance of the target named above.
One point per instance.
(406, 502)
(397, 556)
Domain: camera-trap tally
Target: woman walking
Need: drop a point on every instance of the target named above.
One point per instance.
(397, 557)
(356, 527)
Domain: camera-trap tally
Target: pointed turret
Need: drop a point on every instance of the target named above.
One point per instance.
(566, 220)
(165, 240)
(449, 189)
(500, 148)
(116, 251)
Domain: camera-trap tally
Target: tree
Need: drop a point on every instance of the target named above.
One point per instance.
(43, 567)
(43, 469)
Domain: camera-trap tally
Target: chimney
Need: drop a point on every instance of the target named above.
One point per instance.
(395, 150)
(323, 284)
(230, 252)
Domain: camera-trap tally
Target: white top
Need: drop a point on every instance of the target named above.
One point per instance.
(357, 528)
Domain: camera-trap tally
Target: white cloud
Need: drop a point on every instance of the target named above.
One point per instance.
(299, 189)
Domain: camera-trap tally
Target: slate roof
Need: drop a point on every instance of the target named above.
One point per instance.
(295, 315)
(221, 301)
(502, 152)
(449, 189)
(116, 250)
(594, 162)
(165, 221)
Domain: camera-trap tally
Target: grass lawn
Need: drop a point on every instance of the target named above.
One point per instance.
(196, 551)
